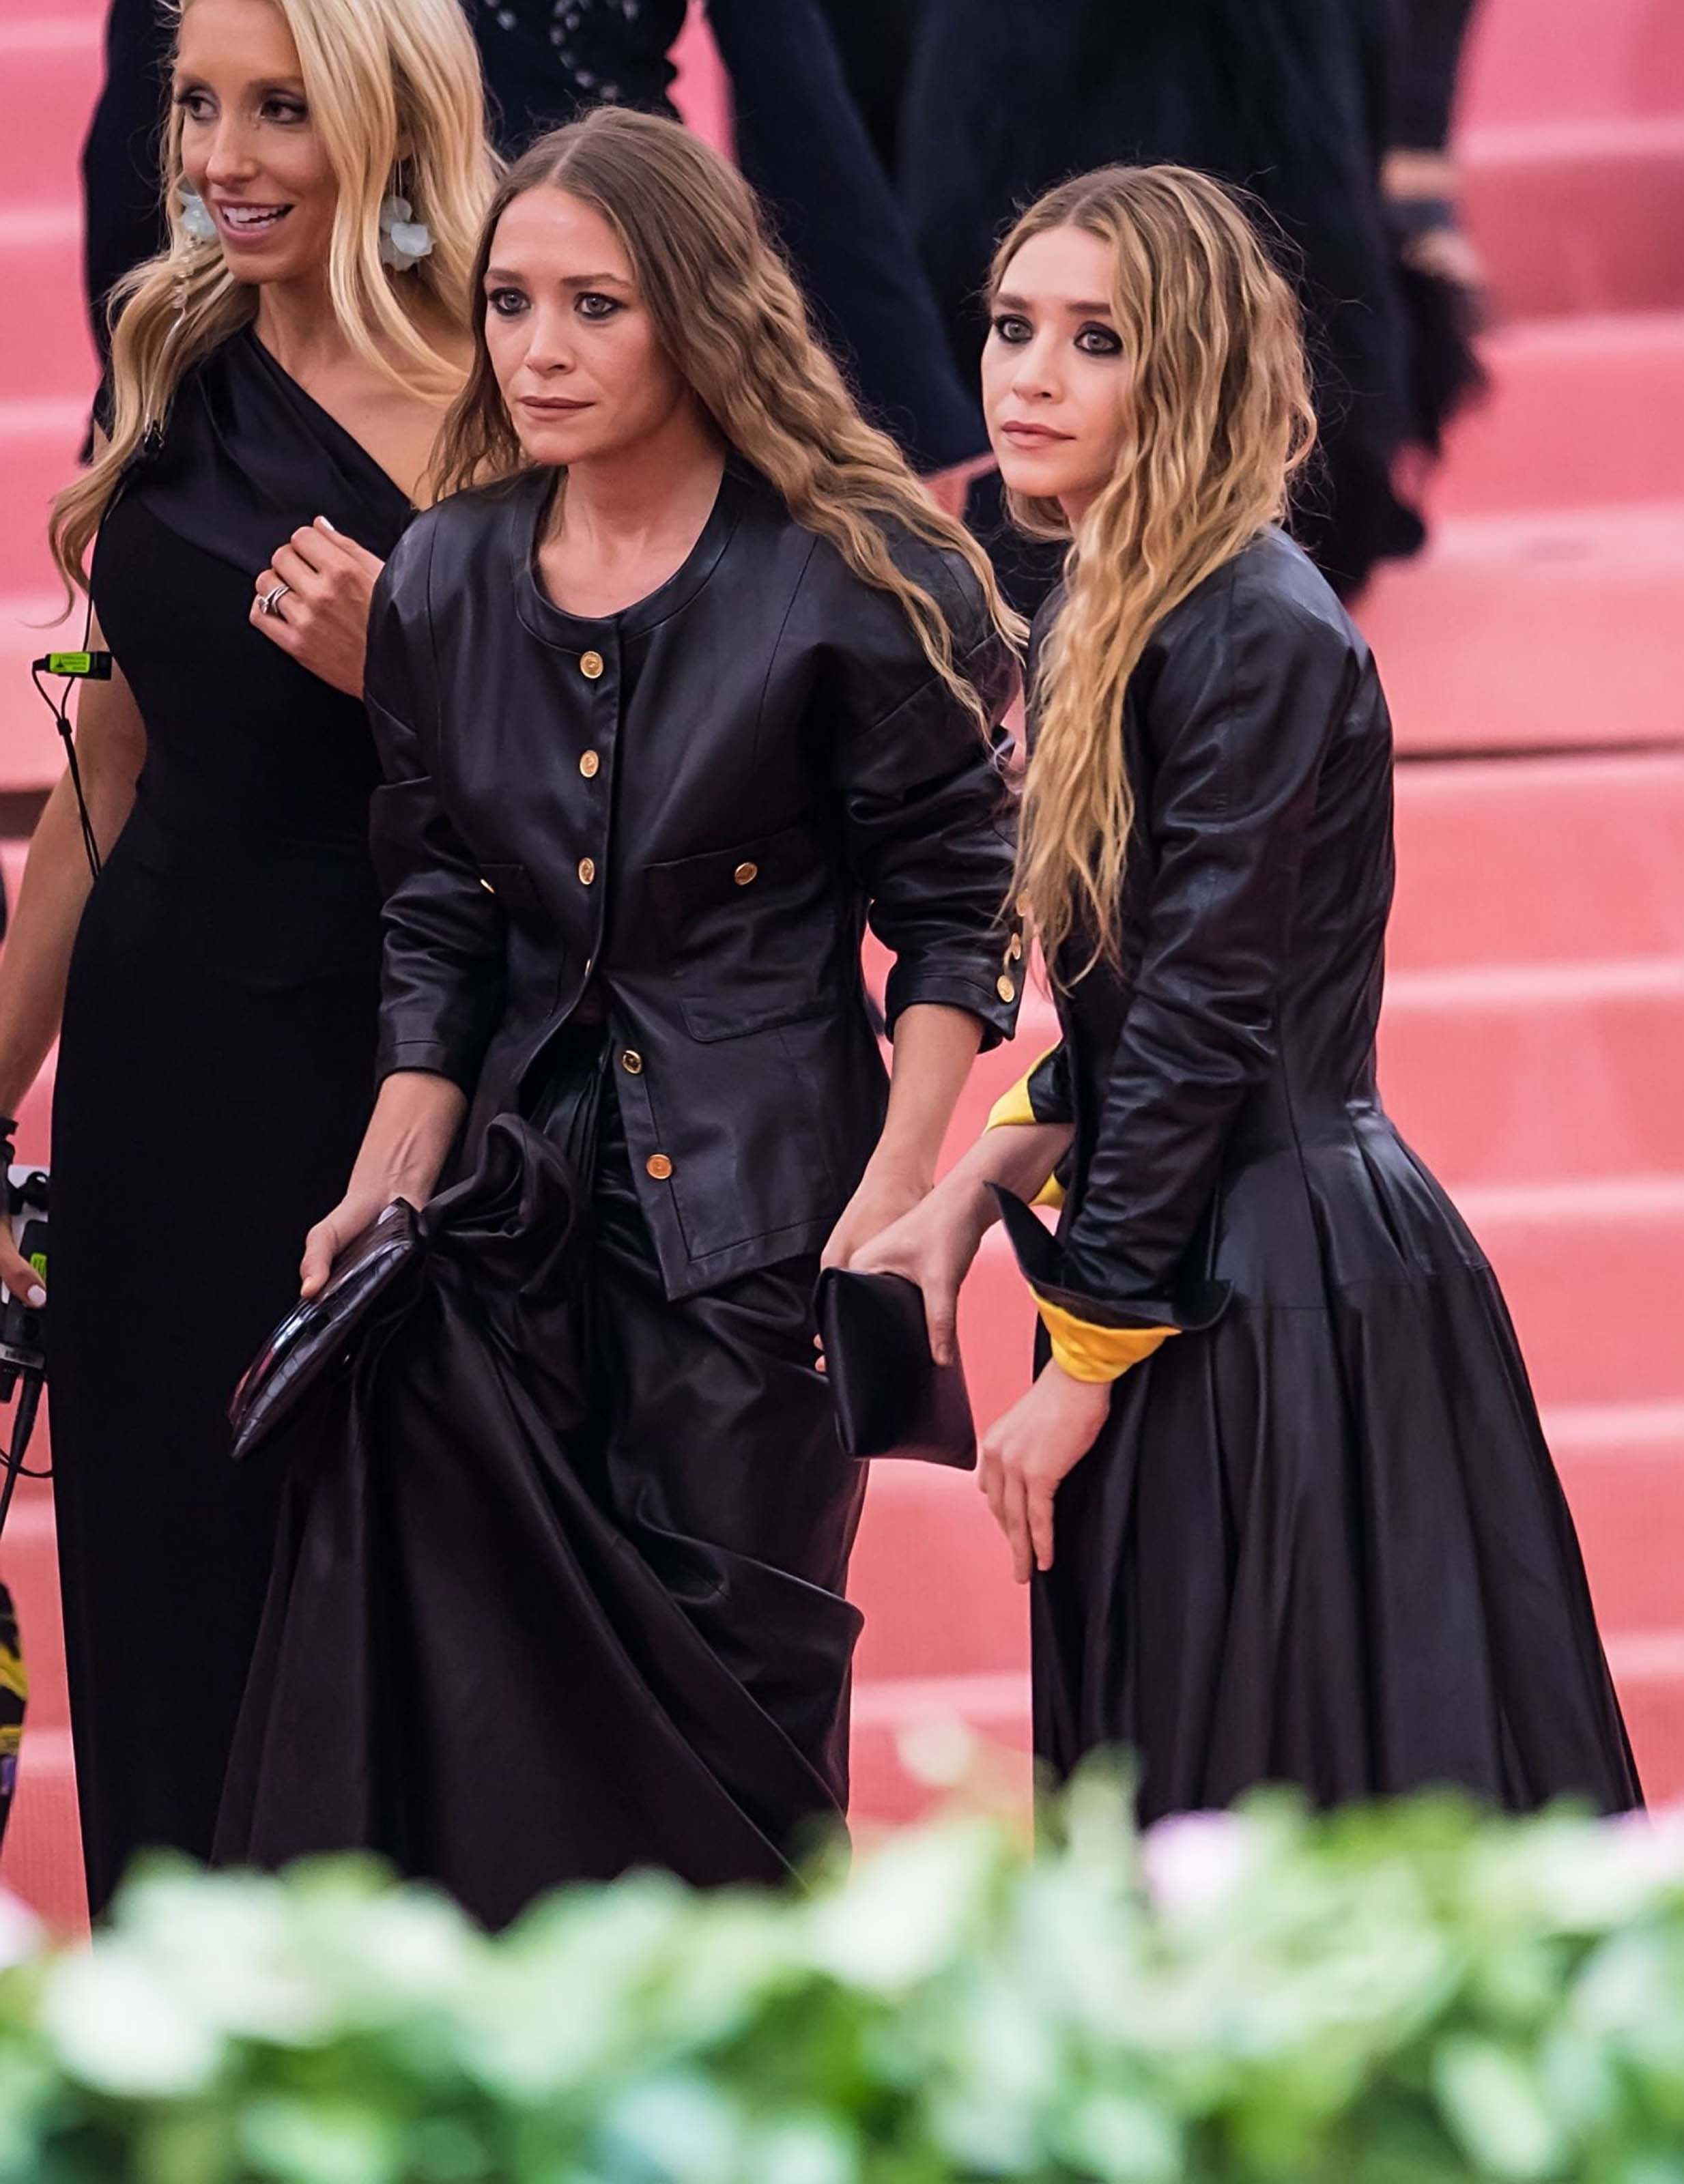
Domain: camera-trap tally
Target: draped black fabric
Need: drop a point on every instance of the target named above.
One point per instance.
(559, 1587)
(214, 1074)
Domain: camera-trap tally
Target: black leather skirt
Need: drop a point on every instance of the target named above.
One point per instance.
(559, 1588)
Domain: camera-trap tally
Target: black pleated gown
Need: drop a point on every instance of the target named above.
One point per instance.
(1319, 1539)
(215, 1075)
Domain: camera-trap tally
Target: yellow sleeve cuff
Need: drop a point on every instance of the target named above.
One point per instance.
(1087, 1352)
(1015, 1106)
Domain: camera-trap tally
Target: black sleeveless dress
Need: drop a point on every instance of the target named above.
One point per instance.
(215, 1075)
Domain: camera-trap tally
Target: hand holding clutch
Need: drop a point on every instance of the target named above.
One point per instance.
(892, 1398)
(317, 1336)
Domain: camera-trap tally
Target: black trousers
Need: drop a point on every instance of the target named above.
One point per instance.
(559, 1590)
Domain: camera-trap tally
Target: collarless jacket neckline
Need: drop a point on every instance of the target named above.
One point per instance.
(572, 633)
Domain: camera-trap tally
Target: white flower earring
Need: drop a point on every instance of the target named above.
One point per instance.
(404, 242)
(196, 219)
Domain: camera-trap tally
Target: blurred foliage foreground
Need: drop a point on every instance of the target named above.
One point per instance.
(1387, 1997)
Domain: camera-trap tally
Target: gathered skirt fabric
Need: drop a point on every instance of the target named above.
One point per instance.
(559, 1588)
(1323, 1543)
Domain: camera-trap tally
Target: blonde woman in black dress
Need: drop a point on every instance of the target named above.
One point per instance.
(1280, 1483)
(278, 378)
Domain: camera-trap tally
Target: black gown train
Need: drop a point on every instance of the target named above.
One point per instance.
(215, 1073)
(1319, 1539)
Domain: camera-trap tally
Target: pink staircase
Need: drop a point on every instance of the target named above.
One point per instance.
(1535, 1030)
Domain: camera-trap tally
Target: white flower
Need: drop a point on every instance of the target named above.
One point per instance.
(1192, 1860)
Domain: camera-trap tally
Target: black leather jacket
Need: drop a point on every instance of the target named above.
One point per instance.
(1229, 1129)
(693, 807)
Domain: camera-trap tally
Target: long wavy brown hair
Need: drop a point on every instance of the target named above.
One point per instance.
(380, 77)
(728, 311)
(1218, 420)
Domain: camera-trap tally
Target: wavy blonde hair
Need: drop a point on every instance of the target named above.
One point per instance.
(377, 75)
(727, 310)
(1218, 420)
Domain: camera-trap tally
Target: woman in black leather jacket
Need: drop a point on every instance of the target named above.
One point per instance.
(1306, 1527)
(700, 685)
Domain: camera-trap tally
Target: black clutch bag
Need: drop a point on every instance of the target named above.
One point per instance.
(317, 1338)
(892, 1398)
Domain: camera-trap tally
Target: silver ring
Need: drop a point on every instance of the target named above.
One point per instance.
(269, 602)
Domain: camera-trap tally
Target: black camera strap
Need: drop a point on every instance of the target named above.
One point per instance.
(86, 665)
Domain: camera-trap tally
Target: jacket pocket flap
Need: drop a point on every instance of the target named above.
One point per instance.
(687, 885)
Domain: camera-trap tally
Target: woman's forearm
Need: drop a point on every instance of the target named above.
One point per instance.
(1019, 1157)
(40, 933)
(934, 1047)
(416, 1117)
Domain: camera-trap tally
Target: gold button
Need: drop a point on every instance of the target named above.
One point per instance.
(746, 875)
(632, 1062)
(488, 888)
(589, 762)
(590, 666)
(587, 871)
(1015, 948)
(659, 1166)
(1006, 989)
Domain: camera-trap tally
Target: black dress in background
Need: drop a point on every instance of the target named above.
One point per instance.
(214, 1074)
(800, 140)
(1319, 1539)
(1286, 98)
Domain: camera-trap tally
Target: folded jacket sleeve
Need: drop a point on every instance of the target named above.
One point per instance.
(929, 812)
(1238, 719)
(1040, 1095)
(444, 970)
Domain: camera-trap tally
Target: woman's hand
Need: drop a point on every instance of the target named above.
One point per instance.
(1024, 1458)
(887, 1191)
(321, 617)
(933, 1246)
(362, 1205)
(416, 1119)
(16, 1273)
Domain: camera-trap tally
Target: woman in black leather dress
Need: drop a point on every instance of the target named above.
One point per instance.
(1306, 1527)
(218, 990)
(665, 716)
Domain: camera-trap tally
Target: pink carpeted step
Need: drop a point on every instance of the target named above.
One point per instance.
(50, 66)
(1501, 1074)
(42, 1859)
(1550, 860)
(39, 438)
(1585, 412)
(1578, 215)
(1622, 1466)
(1532, 633)
(933, 1576)
(1530, 60)
(1648, 1670)
(45, 350)
(924, 1721)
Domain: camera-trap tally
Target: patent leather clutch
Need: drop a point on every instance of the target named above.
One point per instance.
(317, 1338)
(892, 1398)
